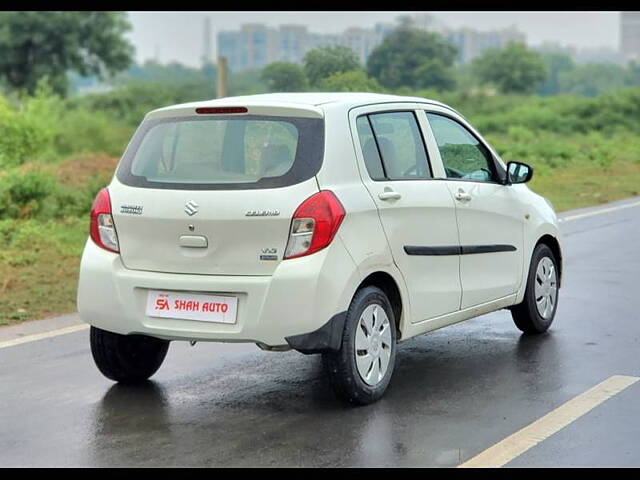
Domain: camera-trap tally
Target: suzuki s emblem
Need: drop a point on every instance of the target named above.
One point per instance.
(191, 208)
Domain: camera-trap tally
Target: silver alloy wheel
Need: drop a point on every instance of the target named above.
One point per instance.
(373, 344)
(546, 287)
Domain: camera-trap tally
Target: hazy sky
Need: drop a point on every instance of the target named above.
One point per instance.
(179, 35)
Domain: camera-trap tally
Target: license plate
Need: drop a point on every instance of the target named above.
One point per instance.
(192, 306)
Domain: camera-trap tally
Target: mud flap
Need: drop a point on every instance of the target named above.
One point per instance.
(326, 338)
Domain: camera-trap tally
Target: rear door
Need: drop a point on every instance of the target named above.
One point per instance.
(214, 194)
(489, 214)
(417, 212)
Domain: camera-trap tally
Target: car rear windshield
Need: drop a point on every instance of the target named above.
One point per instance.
(223, 152)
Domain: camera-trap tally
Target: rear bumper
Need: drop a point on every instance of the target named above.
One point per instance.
(300, 297)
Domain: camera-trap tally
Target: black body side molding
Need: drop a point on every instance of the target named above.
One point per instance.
(472, 249)
(458, 250)
(326, 338)
(448, 250)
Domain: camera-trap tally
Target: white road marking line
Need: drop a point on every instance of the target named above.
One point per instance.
(506, 450)
(40, 336)
(598, 212)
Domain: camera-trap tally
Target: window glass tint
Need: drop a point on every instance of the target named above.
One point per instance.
(216, 151)
(462, 154)
(401, 146)
(369, 149)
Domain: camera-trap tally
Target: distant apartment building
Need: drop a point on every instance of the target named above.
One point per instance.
(293, 42)
(256, 45)
(556, 47)
(425, 21)
(469, 42)
(598, 55)
(472, 43)
(582, 55)
(630, 36)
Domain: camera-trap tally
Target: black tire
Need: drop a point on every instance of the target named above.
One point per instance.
(341, 365)
(127, 358)
(525, 314)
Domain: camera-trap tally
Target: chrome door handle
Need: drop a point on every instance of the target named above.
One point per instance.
(462, 196)
(389, 195)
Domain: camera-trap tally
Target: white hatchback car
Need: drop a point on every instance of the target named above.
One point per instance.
(333, 223)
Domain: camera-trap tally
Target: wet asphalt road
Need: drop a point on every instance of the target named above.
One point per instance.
(455, 392)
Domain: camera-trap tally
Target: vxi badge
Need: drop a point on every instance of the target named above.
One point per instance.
(269, 254)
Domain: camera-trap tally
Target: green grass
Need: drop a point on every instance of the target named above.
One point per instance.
(584, 186)
(39, 267)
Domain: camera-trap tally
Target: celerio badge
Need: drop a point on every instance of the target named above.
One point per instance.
(262, 213)
(131, 209)
(191, 208)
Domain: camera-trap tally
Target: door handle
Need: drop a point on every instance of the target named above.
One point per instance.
(194, 241)
(389, 195)
(462, 196)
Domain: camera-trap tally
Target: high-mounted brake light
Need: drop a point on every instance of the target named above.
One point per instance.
(315, 223)
(101, 227)
(209, 110)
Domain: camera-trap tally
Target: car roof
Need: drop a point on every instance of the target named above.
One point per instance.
(310, 100)
(323, 98)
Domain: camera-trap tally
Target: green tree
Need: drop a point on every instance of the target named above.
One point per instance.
(634, 73)
(169, 73)
(284, 77)
(413, 58)
(352, 81)
(196, 83)
(246, 83)
(512, 69)
(557, 63)
(323, 62)
(35, 45)
(591, 79)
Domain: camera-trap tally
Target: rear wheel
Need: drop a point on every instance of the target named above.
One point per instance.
(127, 358)
(361, 370)
(538, 308)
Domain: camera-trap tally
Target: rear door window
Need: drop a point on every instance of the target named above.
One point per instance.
(393, 143)
(372, 159)
(223, 152)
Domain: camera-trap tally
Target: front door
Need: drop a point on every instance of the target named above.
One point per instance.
(490, 216)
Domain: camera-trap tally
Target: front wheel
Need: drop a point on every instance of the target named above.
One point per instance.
(127, 358)
(361, 370)
(538, 308)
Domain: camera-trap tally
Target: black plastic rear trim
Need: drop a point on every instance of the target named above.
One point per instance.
(326, 338)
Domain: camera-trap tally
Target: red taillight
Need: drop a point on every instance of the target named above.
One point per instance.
(209, 110)
(315, 223)
(101, 227)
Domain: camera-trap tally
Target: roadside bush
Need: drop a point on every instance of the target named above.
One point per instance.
(74, 201)
(23, 242)
(23, 195)
(27, 129)
(130, 102)
(85, 131)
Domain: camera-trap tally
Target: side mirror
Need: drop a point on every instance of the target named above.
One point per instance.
(518, 172)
